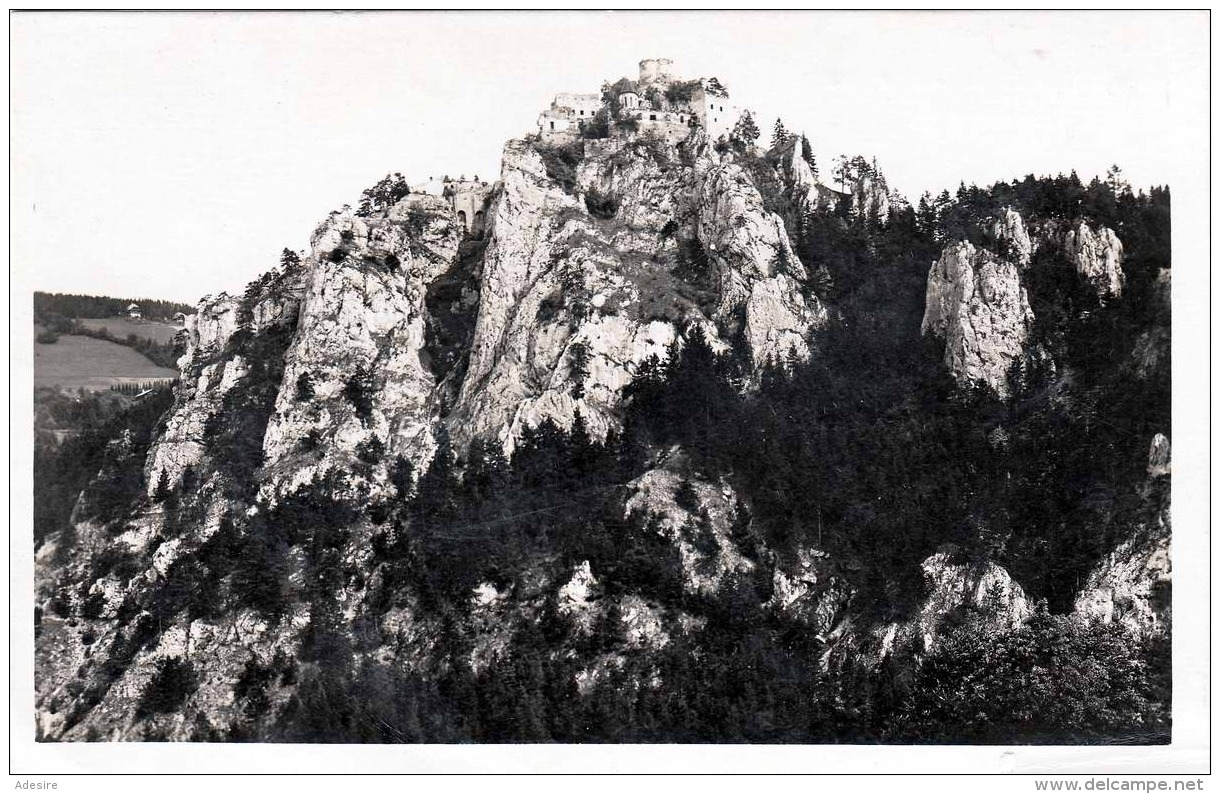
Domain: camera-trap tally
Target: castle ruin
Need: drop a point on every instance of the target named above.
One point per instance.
(656, 101)
(468, 198)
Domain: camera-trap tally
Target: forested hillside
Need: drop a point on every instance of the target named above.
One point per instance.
(689, 447)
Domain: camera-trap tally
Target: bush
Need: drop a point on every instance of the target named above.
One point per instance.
(627, 124)
(47, 337)
(305, 390)
(1053, 679)
(389, 191)
(359, 392)
(370, 451)
(168, 689)
(560, 162)
(599, 127)
(601, 205)
(681, 93)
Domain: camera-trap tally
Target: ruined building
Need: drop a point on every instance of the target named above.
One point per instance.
(656, 101)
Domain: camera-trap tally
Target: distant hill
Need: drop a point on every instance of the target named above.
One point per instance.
(99, 306)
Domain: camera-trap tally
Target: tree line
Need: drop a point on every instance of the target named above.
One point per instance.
(100, 306)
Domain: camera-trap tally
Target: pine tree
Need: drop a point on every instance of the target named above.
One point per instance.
(746, 131)
(779, 135)
(162, 491)
(402, 476)
(579, 368)
(289, 259)
(305, 390)
(807, 155)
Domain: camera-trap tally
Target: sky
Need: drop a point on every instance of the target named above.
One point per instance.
(172, 155)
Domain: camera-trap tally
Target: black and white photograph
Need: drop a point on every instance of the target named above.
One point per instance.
(535, 386)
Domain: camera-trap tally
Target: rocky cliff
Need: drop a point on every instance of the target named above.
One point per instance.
(977, 298)
(977, 305)
(412, 465)
(583, 281)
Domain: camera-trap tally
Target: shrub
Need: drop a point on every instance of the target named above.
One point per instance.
(560, 162)
(580, 368)
(686, 497)
(312, 440)
(601, 205)
(359, 392)
(599, 127)
(370, 451)
(627, 124)
(693, 264)
(389, 191)
(47, 337)
(681, 93)
(716, 88)
(305, 391)
(169, 687)
(549, 307)
(1055, 678)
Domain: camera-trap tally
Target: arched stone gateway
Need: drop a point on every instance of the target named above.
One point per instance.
(462, 220)
(477, 228)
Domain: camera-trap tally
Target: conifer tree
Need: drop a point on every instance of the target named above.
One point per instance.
(162, 491)
(289, 259)
(807, 155)
(779, 135)
(746, 131)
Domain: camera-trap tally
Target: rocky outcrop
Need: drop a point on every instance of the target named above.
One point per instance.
(811, 590)
(1152, 357)
(1098, 256)
(207, 376)
(584, 280)
(977, 305)
(870, 197)
(801, 186)
(977, 302)
(954, 587)
(701, 528)
(560, 326)
(757, 268)
(356, 378)
(1132, 586)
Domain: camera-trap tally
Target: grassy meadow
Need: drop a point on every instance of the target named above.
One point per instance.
(76, 362)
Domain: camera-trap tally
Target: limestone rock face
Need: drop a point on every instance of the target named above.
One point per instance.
(1132, 585)
(211, 367)
(951, 585)
(556, 329)
(702, 531)
(1158, 456)
(1152, 355)
(978, 306)
(870, 197)
(1010, 229)
(363, 318)
(582, 280)
(800, 183)
(811, 591)
(1098, 256)
(977, 302)
(756, 265)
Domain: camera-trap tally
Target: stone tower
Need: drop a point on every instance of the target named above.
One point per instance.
(653, 70)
